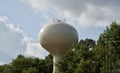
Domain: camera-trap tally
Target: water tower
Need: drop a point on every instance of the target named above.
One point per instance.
(56, 38)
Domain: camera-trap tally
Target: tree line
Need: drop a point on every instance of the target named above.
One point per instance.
(24, 64)
(88, 56)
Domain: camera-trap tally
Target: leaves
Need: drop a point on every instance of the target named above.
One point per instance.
(79, 59)
(82, 59)
(28, 65)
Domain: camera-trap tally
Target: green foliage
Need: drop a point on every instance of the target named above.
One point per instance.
(28, 65)
(108, 49)
(30, 70)
(79, 59)
(104, 57)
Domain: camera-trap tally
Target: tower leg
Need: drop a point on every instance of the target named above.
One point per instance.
(56, 59)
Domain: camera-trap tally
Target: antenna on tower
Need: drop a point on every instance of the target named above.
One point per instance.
(59, 20)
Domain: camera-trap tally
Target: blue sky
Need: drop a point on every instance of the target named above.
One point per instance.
(21, 21)
(22, 16)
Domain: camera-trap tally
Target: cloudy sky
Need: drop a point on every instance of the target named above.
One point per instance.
(21, 21)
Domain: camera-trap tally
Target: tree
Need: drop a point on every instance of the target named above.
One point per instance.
(79, 58)
(104, 57)
(30, 70)
(24, 64)
(108, 49)
(48, 64)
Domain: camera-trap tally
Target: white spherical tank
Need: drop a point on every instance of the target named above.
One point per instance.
(57, 37)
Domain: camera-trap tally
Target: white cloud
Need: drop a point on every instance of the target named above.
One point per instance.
(97, 16)
(3, 19)
(84, 12)
(13, 42)
(33, 49)
(10, 40)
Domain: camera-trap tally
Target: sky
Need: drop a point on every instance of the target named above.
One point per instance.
(21, 21)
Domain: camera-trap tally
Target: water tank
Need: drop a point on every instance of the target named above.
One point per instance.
(57, 37)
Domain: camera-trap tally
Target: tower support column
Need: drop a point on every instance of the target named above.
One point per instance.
(56, 59)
